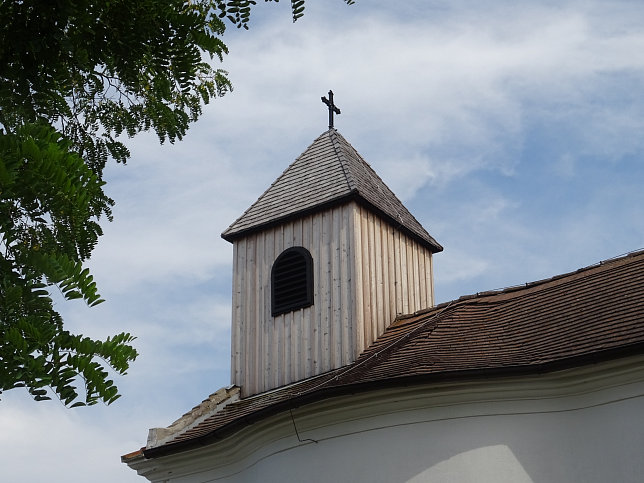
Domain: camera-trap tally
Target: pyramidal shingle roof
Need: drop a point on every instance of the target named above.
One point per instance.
(329, 172)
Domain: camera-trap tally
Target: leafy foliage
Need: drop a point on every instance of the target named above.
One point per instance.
(238, 11)
(97, 70)
(49, 201)
(74, 76)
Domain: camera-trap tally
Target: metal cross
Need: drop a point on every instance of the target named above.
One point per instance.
(332, 108)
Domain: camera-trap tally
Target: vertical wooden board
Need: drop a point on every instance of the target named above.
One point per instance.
(326, 290)
(379, 320)
(282, 321)
(278, 322)
(408, 284)
(304, 368)
(285, 338)
(258, 296)
(330, 326)
(298, 365)
(384, 239)
(418, 275)
(332, 245)
(398, 269)
(306, 329)
(265, 356)
(430, 279)
(295, 327)
(298, 360)
(345, 285)
(403, 274)
(264, 266)
(254, 330)
(391, 268)
(366, 281)
(415, 284)
(235, 335)
(288, 235)
(427, 278)
(329, 244)
(250, 304)
(289, 322)
(411, 291)
(274, 353)
(424, 298)
(336, 280)
(397, 272)
(242, 309)
(256, 270)
(373, 286)
(358, 283)
(316, 254)
(297, 233)
(411, 282)
(234, 324)
(244, 321)
(281, 341)
(422, 268)
(320, 311)
(264, 362)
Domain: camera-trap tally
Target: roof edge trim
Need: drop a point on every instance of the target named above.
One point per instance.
(334, 391)
(354, 195)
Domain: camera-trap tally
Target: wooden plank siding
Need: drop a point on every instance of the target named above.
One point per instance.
(362, 280)
(396, 276)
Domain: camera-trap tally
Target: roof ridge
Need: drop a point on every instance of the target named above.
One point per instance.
(604, 264)
(344, 163)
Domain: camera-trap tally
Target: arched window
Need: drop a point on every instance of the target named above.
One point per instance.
(292, 281)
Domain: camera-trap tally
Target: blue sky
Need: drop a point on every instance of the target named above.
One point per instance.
(513, 132)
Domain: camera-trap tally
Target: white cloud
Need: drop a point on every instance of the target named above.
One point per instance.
(512, 131)
(460, 91)
(46, 442)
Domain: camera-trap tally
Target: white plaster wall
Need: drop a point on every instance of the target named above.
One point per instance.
(597, 444)
(575, 426)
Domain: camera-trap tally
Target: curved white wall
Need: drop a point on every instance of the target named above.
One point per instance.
(598, 444)
(583, 425)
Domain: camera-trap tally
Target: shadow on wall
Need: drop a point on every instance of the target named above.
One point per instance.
(596, 444)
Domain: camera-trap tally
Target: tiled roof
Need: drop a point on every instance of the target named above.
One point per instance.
(330, 171)
(594, 314)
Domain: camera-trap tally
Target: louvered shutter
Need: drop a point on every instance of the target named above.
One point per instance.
(292, 281)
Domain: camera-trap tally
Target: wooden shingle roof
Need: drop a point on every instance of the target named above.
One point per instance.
(329, 172)
(593, 314)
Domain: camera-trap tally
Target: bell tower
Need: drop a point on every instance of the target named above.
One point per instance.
(324, 261)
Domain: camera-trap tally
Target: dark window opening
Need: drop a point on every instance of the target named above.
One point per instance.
(292, 281)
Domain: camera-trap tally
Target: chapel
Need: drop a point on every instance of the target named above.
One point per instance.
(343, 368)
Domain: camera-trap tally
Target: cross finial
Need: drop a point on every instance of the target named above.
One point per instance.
(332, 108)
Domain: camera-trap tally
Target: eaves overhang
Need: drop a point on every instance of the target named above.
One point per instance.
(430, 243)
